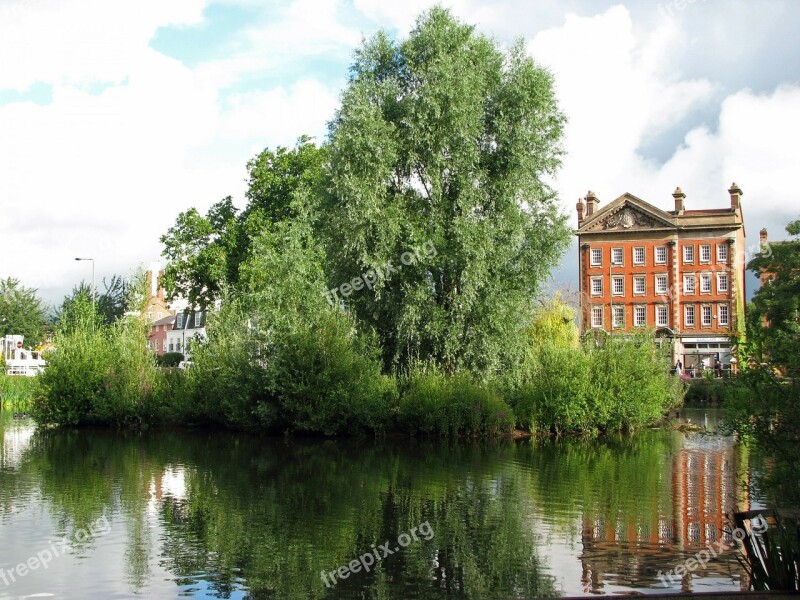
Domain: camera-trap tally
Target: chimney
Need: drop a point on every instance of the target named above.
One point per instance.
(580, 207)
(736, 197)
(679, 201)
(763, 236)
(591, 203)
(160, 284)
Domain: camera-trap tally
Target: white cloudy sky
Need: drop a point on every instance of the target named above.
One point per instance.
(115, 116)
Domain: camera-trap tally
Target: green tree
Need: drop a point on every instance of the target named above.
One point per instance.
(774, 318)
(21, 312)
(206, 252)
(443, 139)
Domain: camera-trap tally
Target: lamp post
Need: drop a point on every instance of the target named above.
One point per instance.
(93, 290)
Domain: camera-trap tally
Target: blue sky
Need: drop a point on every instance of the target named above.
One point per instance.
(115, 116)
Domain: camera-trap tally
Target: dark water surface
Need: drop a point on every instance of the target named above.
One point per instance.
(202, 514)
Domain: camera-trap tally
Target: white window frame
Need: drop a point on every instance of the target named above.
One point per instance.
(661, 290)
(597, 310)
(726, 320)
(615, 279)
(617, 257)
(689, 316)
(688, 254)
(593, 281)
(640, 279)
(196, 320)
(705, 309)
(705, 283)
(599, 253)
(639, 310)
(179, 321)
(723, 289)
(639, 250)
(618, 311)
(656, 259)
(705, 248)
(662, 309)
(722, 253)
(688, 290)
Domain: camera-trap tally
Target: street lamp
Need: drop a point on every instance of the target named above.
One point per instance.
(93, 290)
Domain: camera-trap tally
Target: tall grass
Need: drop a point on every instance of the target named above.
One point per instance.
(17, 393)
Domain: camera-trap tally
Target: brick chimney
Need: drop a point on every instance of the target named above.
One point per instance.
(762, 235)
(736, 197)
(591, 203)
(580, 207)
(679, 201)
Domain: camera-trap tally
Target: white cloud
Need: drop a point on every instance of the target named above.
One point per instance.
(80, 41)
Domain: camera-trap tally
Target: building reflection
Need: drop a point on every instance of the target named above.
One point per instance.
(707, 483)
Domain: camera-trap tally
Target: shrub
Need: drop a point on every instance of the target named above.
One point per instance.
(433, 403)
(169, 359)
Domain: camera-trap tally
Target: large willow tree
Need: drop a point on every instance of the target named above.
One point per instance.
(445, 139)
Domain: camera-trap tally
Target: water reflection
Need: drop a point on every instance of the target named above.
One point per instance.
(220, 514)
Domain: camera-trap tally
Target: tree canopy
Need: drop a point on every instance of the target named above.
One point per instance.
(444, 139)
(21, 312)
(775, 310)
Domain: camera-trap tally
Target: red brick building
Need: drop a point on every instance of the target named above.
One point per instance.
(680, 272)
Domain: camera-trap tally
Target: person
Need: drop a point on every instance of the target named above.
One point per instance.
(717, 368)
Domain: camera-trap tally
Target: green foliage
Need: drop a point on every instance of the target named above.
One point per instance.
(444, 138)
(433, 403)
(613, 384)
(205, 253)
(17, 392)
(99, 374)
(169, 359)
(777, 304)
(21, 312)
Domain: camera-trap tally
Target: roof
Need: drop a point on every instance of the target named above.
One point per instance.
(169, 320)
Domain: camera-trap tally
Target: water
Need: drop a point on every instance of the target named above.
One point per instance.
(217, 514)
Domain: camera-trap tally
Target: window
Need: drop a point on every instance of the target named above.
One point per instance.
(597, 316)
(661, 255)
(597, 286)
(178, 346)
(661, 316)
(618, 285)
(171, 346)
(150, 316)
(723, 314)
(616, 256)
(179, 321)
(156, 345)
(722, 283)
(706, 316)
(619, 316)
(688, 254)
(705, 283)
(705, 253)
(688, 284)
(639, 286)
(722, 253)
(160, 315)
(639, 316)
(596, 257)
(688, 316)
(197, 319)
(638, 255)
(661, 285)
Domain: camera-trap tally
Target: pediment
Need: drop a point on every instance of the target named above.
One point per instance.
(627, 213)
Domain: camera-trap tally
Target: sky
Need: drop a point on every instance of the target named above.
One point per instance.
(116, 116)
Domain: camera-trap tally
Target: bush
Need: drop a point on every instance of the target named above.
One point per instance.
(99, 374)
(433, 403)
(169, 359)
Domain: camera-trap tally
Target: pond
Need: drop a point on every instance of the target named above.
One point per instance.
(168, 514)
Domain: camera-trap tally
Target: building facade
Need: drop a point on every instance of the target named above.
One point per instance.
(188, 326)
(680, 272)
(157, 335)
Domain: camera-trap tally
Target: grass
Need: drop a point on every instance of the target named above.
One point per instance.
(16, 393)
